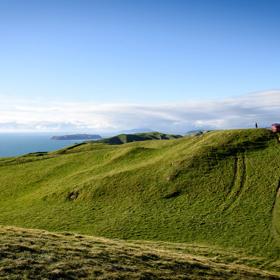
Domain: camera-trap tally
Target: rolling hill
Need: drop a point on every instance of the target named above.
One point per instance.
(219, 189)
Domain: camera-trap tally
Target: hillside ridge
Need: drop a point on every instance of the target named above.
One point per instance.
(144, 136)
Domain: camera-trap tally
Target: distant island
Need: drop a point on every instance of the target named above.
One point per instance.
(77, 137)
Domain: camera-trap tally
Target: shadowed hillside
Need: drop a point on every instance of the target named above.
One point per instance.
(126, 138)
(219, 188)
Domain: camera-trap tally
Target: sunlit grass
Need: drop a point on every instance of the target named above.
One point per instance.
(217, 189)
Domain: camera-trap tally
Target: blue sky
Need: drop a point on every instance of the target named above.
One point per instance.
(136, 52)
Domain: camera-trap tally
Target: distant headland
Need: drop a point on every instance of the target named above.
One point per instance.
(77, 137)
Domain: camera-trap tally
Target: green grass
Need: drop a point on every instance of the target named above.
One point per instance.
(36, 254)
(216, 189)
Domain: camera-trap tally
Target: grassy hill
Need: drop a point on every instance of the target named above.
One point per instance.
(34, 254)
(217, 189)
(126, 138)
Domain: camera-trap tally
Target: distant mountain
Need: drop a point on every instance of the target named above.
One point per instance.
(77, 137)
(126, 138)
(136, 130)
(196, 132)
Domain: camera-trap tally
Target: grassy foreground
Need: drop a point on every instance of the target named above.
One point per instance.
(218, 189)
(34, 254)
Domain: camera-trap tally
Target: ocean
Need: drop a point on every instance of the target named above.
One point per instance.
(16, 144)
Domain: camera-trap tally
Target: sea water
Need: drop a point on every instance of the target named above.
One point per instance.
(16, 144)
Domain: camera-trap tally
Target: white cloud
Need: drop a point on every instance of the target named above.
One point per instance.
(263, 107)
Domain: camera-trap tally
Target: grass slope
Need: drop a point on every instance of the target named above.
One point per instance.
(34, 254)
(219, 188)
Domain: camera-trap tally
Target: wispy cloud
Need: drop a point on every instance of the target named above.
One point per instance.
(263, 107)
